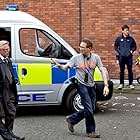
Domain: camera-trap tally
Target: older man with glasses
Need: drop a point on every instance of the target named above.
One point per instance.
(8, 94)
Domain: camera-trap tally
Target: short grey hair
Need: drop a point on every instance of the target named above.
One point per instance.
(3, 42)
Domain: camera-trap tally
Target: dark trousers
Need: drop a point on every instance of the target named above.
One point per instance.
(128, 61)
(6, 135)
(7, 106)
(88, 100)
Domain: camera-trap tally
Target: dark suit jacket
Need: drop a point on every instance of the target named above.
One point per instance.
(3, 76)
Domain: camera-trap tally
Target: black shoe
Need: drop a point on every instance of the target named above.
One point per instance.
(70, 126)
(5, 134)
(93, 135)
(16, 137)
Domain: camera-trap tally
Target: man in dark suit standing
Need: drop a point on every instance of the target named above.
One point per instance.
(8, 94)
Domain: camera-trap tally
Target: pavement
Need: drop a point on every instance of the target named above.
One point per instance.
(126, 88)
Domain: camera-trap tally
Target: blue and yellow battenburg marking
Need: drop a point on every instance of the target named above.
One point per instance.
(36, 73)
(15, 69)
(45, 73)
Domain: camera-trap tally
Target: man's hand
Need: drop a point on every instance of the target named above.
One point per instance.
(53, 61)
(106, 91)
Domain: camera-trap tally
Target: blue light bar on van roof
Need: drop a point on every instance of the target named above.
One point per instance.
(12, 7)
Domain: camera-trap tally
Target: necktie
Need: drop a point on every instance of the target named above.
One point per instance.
(8, 72)
(5, 60)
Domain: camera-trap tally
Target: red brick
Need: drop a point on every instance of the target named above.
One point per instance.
(101, 22)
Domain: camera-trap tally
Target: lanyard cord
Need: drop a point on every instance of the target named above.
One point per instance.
(87, 62)
(87, 67)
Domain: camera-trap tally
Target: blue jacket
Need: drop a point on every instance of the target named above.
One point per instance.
(124, 45)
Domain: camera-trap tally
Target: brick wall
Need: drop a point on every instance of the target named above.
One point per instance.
(99, 20)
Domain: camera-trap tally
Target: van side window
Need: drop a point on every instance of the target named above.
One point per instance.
(27, 41)
(50, 47)
(46, 47)
(35, 42)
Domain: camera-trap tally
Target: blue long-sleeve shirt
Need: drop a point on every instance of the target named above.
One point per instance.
(123, 45)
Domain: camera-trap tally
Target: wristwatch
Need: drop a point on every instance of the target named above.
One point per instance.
(106, 85)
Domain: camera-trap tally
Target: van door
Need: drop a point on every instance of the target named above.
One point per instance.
(7, 33)
(35, 71)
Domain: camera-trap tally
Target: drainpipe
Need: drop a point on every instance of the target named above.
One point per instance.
(80, 20)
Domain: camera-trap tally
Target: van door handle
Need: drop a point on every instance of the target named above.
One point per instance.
(24, 72)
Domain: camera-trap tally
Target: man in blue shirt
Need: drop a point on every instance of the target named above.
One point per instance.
(125, 45)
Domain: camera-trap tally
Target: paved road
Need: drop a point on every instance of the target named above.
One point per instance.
(120, 122)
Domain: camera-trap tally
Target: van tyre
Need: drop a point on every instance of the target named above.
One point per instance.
(73, 101)
(138, 80)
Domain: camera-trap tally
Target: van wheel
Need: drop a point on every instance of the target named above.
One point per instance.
(138, 80)
(73, 101)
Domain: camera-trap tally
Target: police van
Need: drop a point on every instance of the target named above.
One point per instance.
(33, 44)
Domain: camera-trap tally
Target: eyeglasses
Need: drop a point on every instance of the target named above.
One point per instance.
(82, 47)
(7, 49)
(4, 49)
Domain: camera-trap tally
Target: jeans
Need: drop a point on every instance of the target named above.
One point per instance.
(88, 100)
(129, 62)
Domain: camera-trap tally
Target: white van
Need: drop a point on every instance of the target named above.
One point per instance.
(33, 44)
